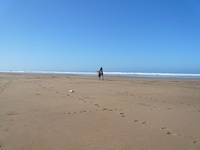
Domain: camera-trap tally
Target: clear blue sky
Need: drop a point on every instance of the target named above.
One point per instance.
(83, 35)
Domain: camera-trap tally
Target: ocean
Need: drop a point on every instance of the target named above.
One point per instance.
(126, 74)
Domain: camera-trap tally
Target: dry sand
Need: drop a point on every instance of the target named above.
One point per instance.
(37, 112)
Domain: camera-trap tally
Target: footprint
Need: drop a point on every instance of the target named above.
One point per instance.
(122, 114)
(163, 128)
(144, 122)
(6, 129)
(195, 142)
(97, 105)
(169, 132)
(11, 113)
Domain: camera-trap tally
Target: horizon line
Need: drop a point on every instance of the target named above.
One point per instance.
(122, 73)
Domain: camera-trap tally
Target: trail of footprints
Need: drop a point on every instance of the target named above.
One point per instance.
(121, 113)
(145, 96)
(51, 89)
(163, 129)
(4, 84)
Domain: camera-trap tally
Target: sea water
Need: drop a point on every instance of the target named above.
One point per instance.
(127, 74)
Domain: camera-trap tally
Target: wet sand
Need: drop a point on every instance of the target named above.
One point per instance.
(38, 112)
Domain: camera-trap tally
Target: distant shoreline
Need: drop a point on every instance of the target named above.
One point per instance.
(119, 74)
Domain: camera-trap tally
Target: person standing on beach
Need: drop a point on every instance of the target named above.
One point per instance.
(100, 73)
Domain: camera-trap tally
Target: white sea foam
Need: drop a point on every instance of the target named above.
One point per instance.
(141, 74)
(130, 74)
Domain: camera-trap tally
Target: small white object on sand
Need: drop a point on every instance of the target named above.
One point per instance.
(71, 91)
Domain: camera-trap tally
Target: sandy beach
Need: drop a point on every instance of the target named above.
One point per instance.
(37, 112)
